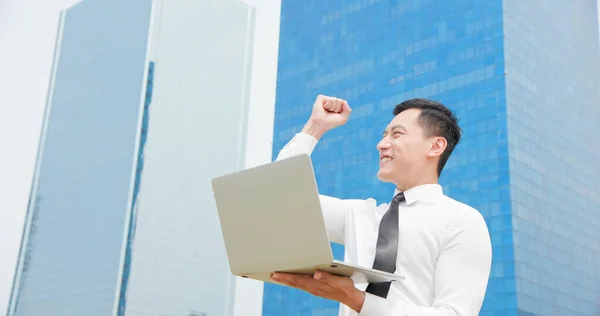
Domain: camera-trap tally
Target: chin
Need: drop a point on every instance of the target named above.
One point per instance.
(384, 176)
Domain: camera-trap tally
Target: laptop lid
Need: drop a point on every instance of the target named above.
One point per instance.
(271, 217)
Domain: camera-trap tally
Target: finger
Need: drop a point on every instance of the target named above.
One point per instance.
(288, 282)
(328, 104)
(297, 281)
(307, 282)
(337, 106)
(294, 285)
(345, 106)
(332, 281)
(321, 100)
(314, 290)
(324, 276)
(300, 280)
(346, 110)
(288, 277)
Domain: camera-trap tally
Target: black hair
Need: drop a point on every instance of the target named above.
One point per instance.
(436, 120)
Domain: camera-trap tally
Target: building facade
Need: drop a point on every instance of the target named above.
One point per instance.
(523, 77)
(148, 101)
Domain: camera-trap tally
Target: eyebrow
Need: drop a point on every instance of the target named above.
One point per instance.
(399, 126)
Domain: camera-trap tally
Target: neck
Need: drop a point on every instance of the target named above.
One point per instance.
(426, 178)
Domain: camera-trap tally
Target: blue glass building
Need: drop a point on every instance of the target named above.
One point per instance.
(524, 79)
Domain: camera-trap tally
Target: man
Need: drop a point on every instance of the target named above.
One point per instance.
(441, 246)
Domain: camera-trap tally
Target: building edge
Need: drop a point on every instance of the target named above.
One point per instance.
(32, 202)
(249, 294)
(506, 162)
(234, 290)
(119, 304)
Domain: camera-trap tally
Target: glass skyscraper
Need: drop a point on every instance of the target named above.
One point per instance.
(147, 102)
(524, 79)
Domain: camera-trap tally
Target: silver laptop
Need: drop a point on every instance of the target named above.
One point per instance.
(272, 221)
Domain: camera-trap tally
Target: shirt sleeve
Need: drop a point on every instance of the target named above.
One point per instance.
(334, 210)
(300, 144)
(461, 276)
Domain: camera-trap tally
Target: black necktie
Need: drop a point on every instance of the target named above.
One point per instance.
(387, 247)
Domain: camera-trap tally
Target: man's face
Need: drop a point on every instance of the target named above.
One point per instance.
(403, 149)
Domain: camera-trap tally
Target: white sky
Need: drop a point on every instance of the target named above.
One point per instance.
(27, 34)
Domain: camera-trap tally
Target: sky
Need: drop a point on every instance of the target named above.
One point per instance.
(27, 38)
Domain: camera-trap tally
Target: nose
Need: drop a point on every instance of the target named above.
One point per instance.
(383, 144)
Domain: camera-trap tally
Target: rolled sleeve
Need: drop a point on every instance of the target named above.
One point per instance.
(300, 144)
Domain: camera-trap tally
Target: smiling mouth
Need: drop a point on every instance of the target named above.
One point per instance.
(385, 159)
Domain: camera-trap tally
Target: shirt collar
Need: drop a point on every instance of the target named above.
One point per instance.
(420, 192)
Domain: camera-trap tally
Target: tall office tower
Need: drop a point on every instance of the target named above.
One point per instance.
(523, 78)
(147, 102)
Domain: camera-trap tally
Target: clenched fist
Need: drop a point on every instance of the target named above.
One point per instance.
(327, 113)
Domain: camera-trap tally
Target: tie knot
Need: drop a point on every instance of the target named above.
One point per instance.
(399, 198)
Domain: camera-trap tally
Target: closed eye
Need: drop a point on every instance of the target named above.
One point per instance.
(397, 131)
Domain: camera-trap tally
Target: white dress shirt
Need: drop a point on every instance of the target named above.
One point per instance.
(444, 248)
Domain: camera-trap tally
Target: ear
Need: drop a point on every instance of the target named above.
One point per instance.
(438, 146)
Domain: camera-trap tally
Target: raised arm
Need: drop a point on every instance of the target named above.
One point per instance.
(327, 113)
(461, 277)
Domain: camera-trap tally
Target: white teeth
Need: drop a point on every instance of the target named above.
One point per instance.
(386, 159)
